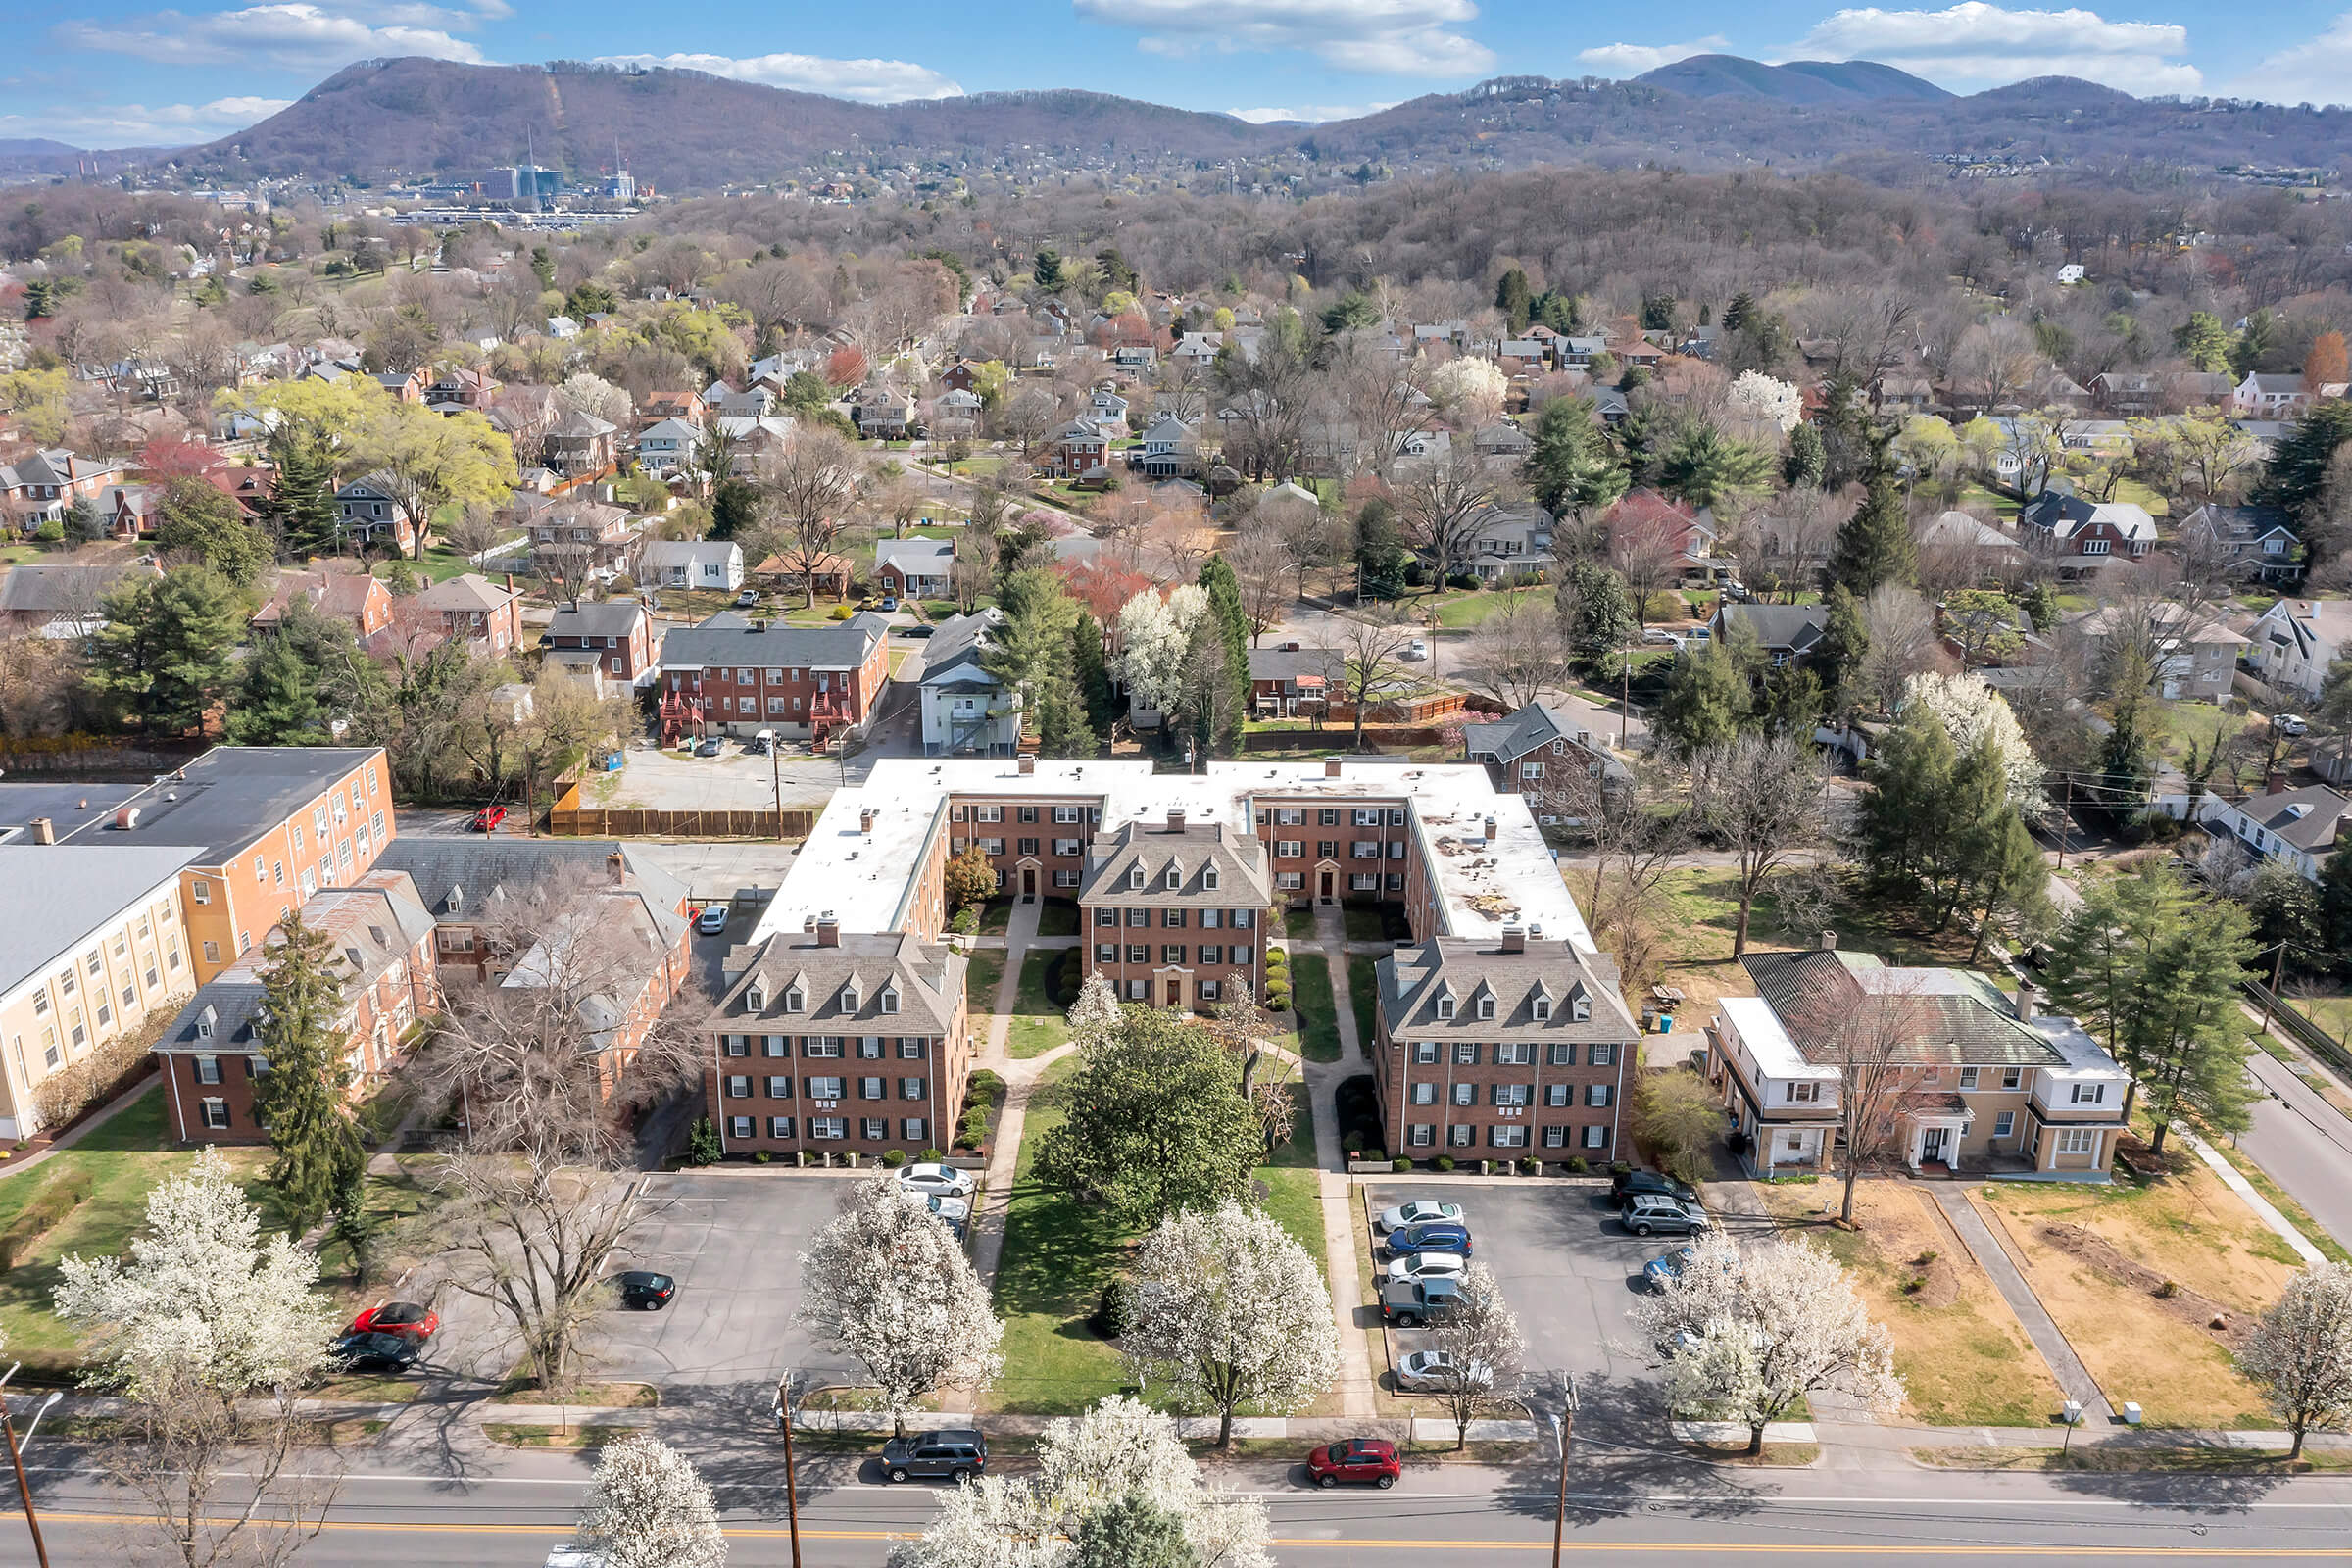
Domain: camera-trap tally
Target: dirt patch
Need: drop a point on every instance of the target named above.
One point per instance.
(2176, 1300)
(1938, 1283)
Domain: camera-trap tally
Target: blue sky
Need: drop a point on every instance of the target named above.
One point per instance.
(111, 72)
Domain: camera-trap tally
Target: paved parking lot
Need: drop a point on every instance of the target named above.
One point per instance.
(735, 781)
(733, 1240)
(1567, 1267)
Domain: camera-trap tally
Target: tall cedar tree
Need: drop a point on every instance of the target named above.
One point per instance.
(1874, 546)
(1094, 674)
(1807, 461)
(164, 651)
(1844, 643)
(1600, 618)
(1513, 299)
(1570, 469)
(302, 499)
(1900, 818)
(2126, 763)
(1233, 627)
(276, 703)
(302, 1098)
(201, 521)
(2153, 971)
(1708, 700)
(2296, 476)
(2335, 908)
(1031, 656)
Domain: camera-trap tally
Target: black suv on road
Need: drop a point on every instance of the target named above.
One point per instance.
(1634, 1183)
(948, 1455)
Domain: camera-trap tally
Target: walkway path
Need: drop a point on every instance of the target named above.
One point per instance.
(2263, 1209)
(1020, 1083)
(1992, 1254)
(1340, 1216)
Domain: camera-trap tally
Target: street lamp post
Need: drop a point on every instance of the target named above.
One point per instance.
(792, 1495)
(1563, 1427)
(15, 1458)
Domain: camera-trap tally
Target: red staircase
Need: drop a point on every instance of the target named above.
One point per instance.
(681, 711)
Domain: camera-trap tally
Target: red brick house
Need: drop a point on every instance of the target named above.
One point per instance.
(1078, 451)
(612, 641)
(468, 607)
(354, 597)
(734, 676)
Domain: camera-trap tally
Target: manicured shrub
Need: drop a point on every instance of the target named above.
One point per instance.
(932, 1157)
(1114, 1313)
(894, 1158)
(701, 1143)
(1445, 1162)
(1577, 1164)
(1401, 1164)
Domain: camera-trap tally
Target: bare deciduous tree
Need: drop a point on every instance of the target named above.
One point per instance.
(1761, 797)
(1369, 674)
(811, 484)
(1263, 565)
(1442, 503)
(1518, 653)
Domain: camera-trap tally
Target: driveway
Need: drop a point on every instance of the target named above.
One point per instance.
(734, 782)
(734, 1240)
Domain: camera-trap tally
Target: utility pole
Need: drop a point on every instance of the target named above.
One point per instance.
(1563, 1427)
(792, 1493)
(16, 1458)
(1625, 694)
(776, 774)
(2270, 997)
(2065, 817)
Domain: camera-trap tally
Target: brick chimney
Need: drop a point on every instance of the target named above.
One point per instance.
(2025, 1001)
(45, 830)
(510, 582)
(865, 821)
(1028, 766)
(1514, 939)
(618, 864)
(2274, 781)
(828, 930)
(1331, 768)
(1829, 942)
(1175, 817)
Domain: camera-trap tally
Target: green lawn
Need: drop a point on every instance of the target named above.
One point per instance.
(984, 968)
(995, 916)
(1311, 996)
(1363, 994)
(1058, 917)
(1298, 922)
(1468, 608)
(1038, 1025)
(441, 563)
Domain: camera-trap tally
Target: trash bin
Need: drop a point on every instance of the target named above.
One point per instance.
(1665, 1023)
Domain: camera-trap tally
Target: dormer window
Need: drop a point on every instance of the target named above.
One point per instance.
(1445, 1007)
(204, 1024)
(850, 998)
(754, 1000)
(794, 1000)
(1135, 876)
(1579, 1008)
(1175, 877)
(1208, 879)
(889, 999)
(1486, 1007)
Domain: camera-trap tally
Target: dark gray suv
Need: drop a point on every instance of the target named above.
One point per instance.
(949, 1456)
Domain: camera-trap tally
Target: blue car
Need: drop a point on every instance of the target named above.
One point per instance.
(1435, 1236)
(1667, 1266)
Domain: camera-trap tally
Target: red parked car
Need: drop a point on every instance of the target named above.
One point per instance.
(487, 819)
(406, 1318)
(1371, 1459)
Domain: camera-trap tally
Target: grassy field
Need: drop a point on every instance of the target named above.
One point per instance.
(1461, 610)
(2186, 1227)
(1058, 917)
(995, 915)
(1060, 1254)
(1299, 923)
(1364, 996)
(1310, 996)
(982, 969)
(1038, 1025)
(1963, 1359)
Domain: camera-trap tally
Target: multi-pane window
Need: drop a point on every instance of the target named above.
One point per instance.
(1596, 1136)
(779, 1126)
(216, 1113)
(914, 1089)
(208, 1069)
(2076, 1139)
(1601, 1056)
(738, 1086)
(912, 1129)
(1564, 1054)
(1511, 1094)
(1597, 1095)
(1507, 1136)
(1465, 1053)
(1171, 953)
(877, 1128)
(1465, 1093)
(1420, 1135)
(1514, 1054)
(1327, 849)
(1555, 1138)
(1460, 1134)
(779, 1086)
(828, 1088)
(1288, 849)
(829, 1127)
(1425, 1093)
(911, 1047)
(1560, 1093)
(1425, 1051)
(871, 1087)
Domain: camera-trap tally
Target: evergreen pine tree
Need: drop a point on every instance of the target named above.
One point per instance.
(165, 650)
(1807, 461)
(302, 1096)
(2015, 880)
(1570, 468)
(302, 500)
(1898, 819)
(276, 703)
(2126, 763)
(1031, 656)
(198, 520)
(1513, 299)
(1708, 700)
(1233, 625)
(1093, 671)
(1602, 618)
(1844, 643)
(1874, 546)
(1735, 313)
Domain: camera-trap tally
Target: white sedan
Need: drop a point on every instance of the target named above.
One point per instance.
(1428, 1265)
(1436, 1369)
(944, 1181)
(1420, 1212)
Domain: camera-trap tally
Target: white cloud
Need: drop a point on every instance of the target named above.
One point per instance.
(296, 36)
(1396, 38)
(1976, 44)
(873, 81)
(141, 125)
(1309, 113)
(2318, 72)
(1633, 59)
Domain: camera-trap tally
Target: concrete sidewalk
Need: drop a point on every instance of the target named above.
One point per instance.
(1992, 1256)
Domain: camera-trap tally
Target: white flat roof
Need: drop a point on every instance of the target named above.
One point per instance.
(1759, 1029)
(862, 876)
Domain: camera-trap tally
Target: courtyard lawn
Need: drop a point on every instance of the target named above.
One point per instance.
(1363, 922)
(982, 969)
(1311, 998)
(1038, 1025)
(1363, 995)
(1963, 1359)
(1298, 922)
(1058, 917)
(2131, 1272)
(996, 916)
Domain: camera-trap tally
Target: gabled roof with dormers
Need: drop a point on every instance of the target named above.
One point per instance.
(925, 979)
(1548, 976)
(1215, 866)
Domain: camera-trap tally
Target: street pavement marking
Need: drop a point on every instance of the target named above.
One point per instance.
(1649, 1548)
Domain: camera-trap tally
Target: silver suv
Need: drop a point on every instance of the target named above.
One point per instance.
(947, 1455)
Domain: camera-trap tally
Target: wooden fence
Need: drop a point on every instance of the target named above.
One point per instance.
(635, 823)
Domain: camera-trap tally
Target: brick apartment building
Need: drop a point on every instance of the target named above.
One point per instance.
(831, 1043)
(383, 954)
(1503, 1046)
(612, 641)
(734, 676)
(1173, 911)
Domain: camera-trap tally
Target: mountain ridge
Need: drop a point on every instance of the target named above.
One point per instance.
(1797, 81)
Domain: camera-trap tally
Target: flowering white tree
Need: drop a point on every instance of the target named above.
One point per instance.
(1748, 1334)
(1760, 397)
(1229, 1311)
(1473, 388)
(890, 1285)
(1971, 712)
(599, 398)
(208, 1331)
(1096, 1007)
(1154, 634)
(1482, 1340)
(1117, 1454)
(648, 1508)
(2301, 1352)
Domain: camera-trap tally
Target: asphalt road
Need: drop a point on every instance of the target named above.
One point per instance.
(515, 1515)
(2305, 1145)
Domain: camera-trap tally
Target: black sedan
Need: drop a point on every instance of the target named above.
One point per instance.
(376, 1352)
(643, 1290)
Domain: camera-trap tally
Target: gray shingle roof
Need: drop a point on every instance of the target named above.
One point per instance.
(1415, 976)
(1958, 1017)
(76, 890)
(455, 876)
(843, 645)
(229, 797)
(928, 979)
(1792, 627)
(613, 617)
(2306, 818)
(1240, 859)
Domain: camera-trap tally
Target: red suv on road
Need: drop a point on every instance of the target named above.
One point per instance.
(487, 819)
(1356, 1459)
